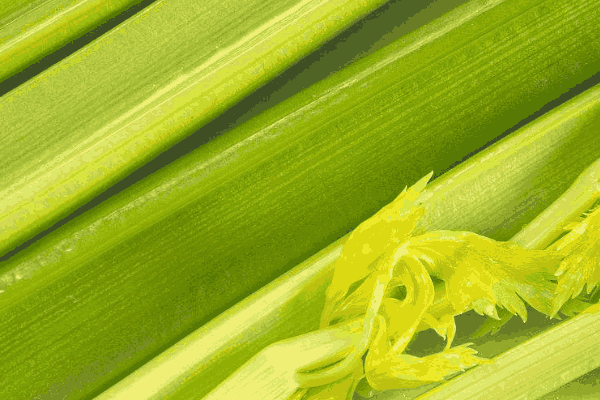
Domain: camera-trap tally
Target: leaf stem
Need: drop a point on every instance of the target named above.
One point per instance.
(548, 225)
(345, 367)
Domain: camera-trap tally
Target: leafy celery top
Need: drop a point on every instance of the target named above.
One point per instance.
(383, 282)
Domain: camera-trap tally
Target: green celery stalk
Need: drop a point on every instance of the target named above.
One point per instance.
(533, 368)
(30, 30)
(90, 120)
(291, 305)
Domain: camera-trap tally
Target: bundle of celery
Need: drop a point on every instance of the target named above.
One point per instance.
(100, 297)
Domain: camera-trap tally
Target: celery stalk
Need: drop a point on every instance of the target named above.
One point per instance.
(453, 202)
(90, 120)
(580, 197)
(30, 30)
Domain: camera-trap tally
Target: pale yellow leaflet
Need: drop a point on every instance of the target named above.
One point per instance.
(390, 226)
(581, 266)
(480, 273)
(387, 369)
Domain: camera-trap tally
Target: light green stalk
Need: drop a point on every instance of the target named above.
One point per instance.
(30, 30)
(532, 369)
(117, 103)
(551, 223)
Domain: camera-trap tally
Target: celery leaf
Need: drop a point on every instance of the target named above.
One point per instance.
(387, 369)
(393, 224)
(481, 273)
(581, 251)
(342, 389)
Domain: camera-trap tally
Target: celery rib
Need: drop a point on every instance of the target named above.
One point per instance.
(118, 102)
(31, 30)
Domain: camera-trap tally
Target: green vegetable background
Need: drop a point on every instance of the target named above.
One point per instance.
(162, 161)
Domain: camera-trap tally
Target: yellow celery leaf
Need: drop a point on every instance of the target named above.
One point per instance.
(491, 325)
(399, 319)
(445, 326)
(399, 267)
(356, 303)
(379, 348)
(580, 266)
(391, 225)
(342, 389)
(396, 267)
(341, 369)
(481, 273)
(404, 316)
(406, 371)
(386, 369)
